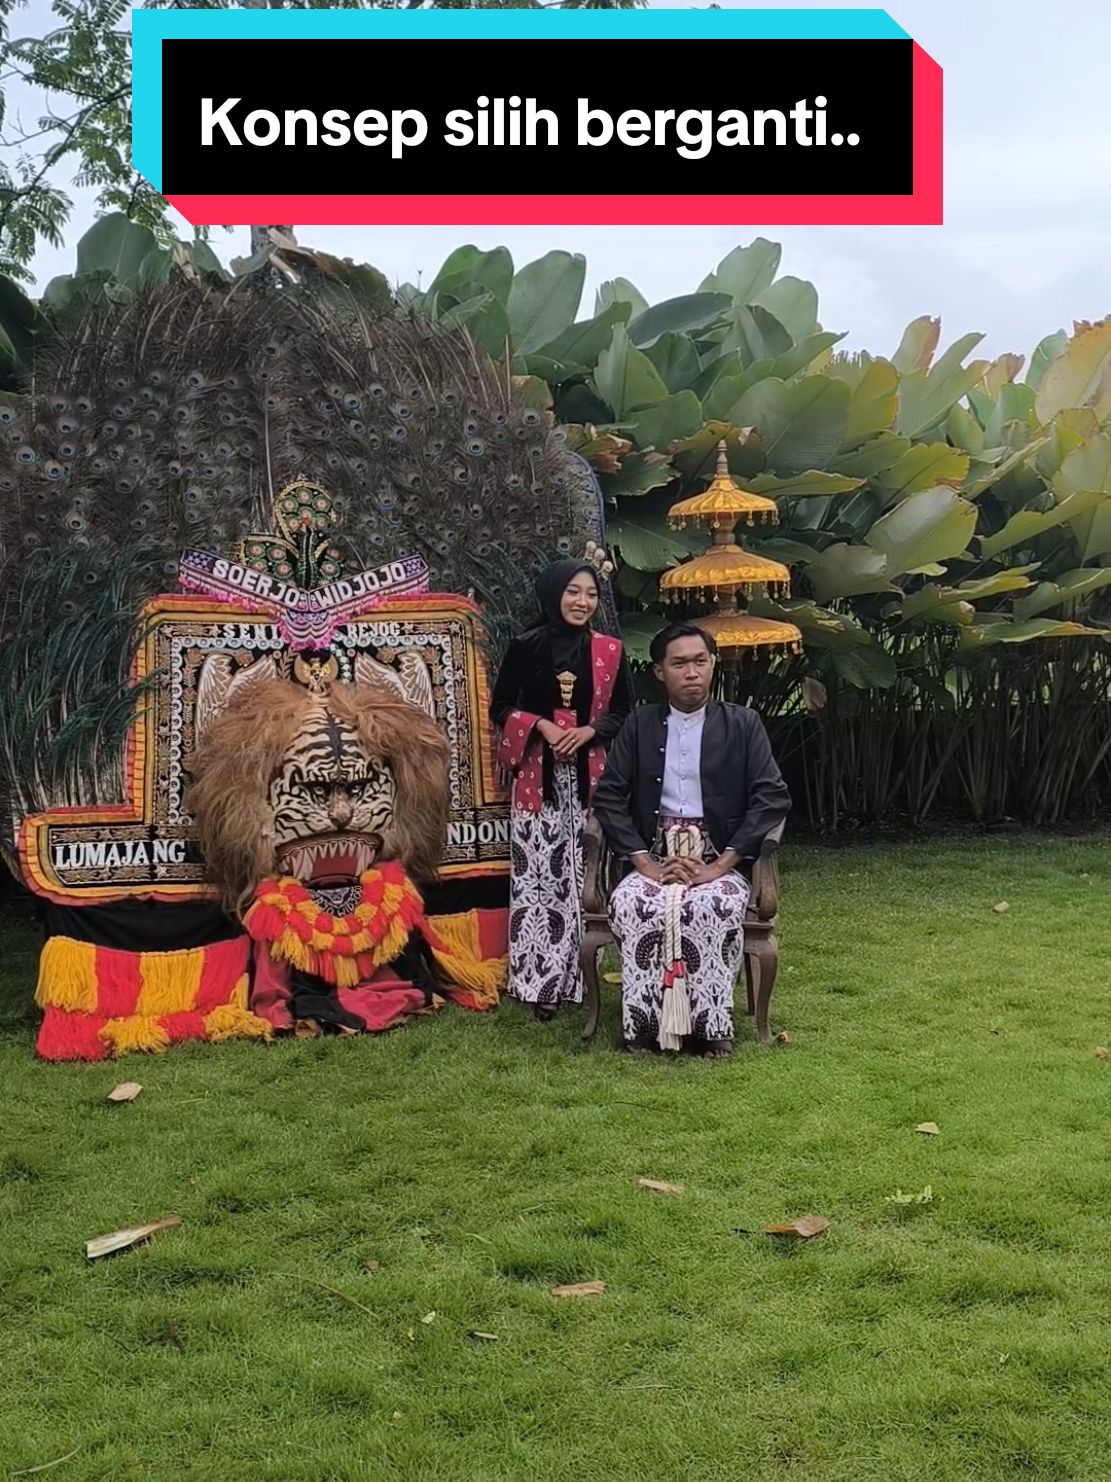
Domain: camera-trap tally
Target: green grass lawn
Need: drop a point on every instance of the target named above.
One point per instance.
(480, 1160)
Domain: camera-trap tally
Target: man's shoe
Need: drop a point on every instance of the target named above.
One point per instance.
(639, 1047)
(717, 1049)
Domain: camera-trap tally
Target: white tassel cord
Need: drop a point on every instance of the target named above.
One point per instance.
(675, 1013)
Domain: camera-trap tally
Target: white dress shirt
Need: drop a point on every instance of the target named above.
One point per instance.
(682, 785)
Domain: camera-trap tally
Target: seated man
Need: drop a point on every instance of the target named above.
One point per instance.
(690, 790)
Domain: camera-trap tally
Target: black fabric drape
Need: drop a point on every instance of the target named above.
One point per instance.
(141, 926)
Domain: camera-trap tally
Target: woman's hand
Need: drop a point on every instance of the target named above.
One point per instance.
(572, 741)
(550, 731)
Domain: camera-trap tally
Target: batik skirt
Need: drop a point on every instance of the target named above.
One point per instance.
(545, 896)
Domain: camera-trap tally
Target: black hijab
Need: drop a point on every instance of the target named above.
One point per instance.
(570, 645)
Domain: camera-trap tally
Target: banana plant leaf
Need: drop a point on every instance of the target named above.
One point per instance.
(1028, 524)
(544, 299)
(581, 344)
(987, 635)
(643, 538)
(745, 272)
(801, 423)
(916, 348)
(932, 525)
(639, 474)
(695, 456)
(1089, 468)
(625, 377)
(491, 271)
(874, 457)
(667, 421)
(690, 311)
(925, 603)
(117, 246)
(873, 404)
(974, 487)
(20, 320)
(620, 291)
(922, 466)
(848, 571)
(926, 397)
(1069, 587)
(794, 303)
(1079, 375)
(1067, 432)
(1043, 357)
(677, 361)
(809, 485)
(485, 320)
(755, 334)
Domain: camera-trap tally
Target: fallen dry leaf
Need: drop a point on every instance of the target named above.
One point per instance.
(428, 1318)
(1103, 1053)
(484, 1337)
(580, 1289)
(46, 1466)
(374, 1265)
(931, 1129)
(784, 1037)
(803, 1229)
(659, 1188)
(397, 1415)
(104, 1245)
(125, 1091)
(611, 977)
(1000, 908)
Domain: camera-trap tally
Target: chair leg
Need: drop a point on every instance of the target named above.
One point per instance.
(766, 954)
(592, 944)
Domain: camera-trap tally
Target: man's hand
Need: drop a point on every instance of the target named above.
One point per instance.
(689, 872)
(671, 871)
(550, 731)
(572, 741)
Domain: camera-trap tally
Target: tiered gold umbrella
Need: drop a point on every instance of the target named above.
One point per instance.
(727, 569)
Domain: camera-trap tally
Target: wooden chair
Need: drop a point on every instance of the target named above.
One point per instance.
(602, 871)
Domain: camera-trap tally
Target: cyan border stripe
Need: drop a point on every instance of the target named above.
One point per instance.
(150, 28)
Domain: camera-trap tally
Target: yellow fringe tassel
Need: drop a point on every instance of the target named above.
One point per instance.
(230, 1021)
(463, 962)
(136, 1032)
(290, 948)
(484, 979)
(67, 976)
(169, 981)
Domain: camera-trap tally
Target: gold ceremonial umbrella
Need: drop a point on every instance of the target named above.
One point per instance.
(727, 569)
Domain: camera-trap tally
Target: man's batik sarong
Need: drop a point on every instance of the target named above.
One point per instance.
(711, 920)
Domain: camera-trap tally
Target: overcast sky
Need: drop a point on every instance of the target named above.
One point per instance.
(1025, 248)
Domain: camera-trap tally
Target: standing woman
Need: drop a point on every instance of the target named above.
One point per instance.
(560, 697)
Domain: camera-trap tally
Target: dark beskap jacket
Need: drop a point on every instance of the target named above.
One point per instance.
(743, 794)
